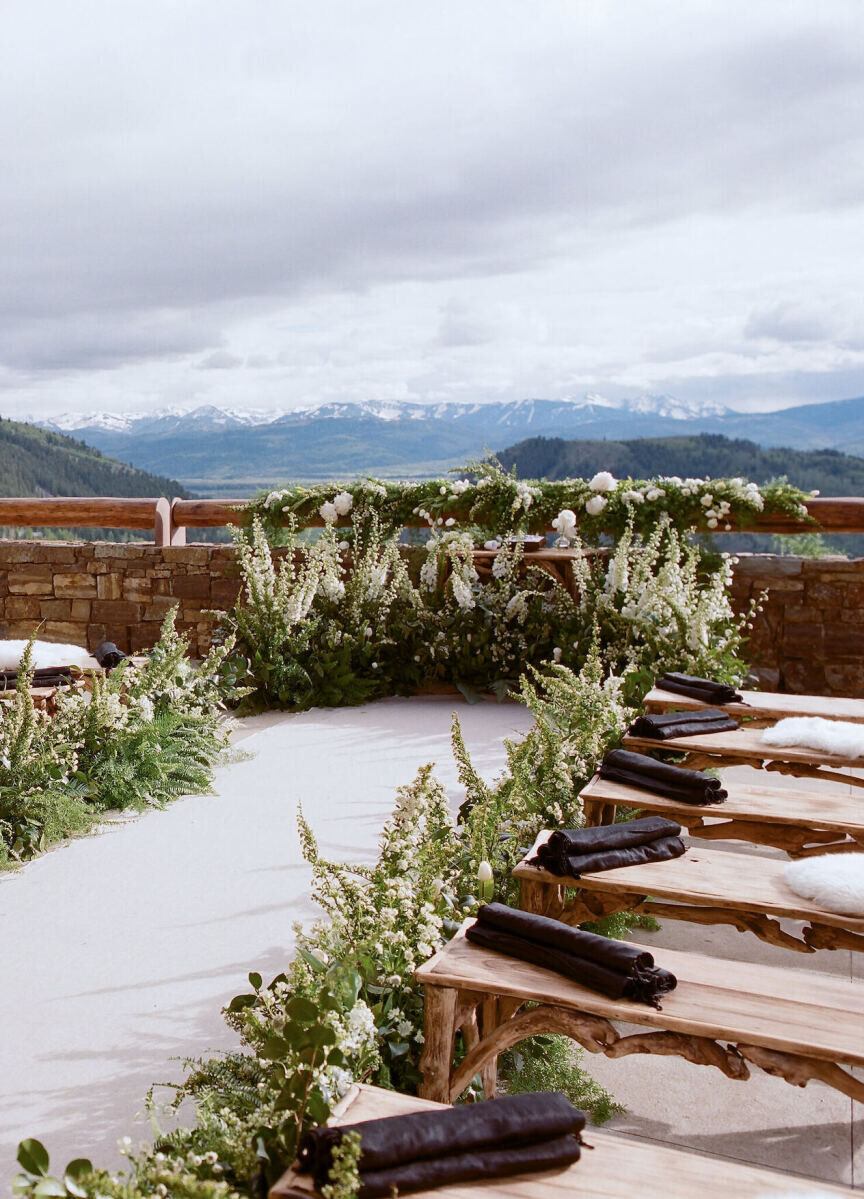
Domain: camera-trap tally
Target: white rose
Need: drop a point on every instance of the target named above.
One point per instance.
(343, 502)
(595, 505)
(712, 523)
(328, 512)
(707, 501)
(603, 481)
(566, 519)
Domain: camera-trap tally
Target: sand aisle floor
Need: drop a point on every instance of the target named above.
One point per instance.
(119, 950)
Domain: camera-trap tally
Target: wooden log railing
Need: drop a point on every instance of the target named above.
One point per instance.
(81, 512)
(169, 521)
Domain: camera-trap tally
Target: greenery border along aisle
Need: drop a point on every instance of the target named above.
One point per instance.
(144, 736)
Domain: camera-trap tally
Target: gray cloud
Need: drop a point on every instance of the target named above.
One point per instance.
(786, 322)
(175, 173)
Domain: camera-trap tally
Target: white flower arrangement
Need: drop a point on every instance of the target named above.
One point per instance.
(603, 481)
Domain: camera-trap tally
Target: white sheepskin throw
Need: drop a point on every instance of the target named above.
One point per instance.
(46, 653)
(833, 880)
(814, 732)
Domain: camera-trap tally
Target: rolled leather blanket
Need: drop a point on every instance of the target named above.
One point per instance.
(614, 968)
(43, 676)
(108, 655)
(576, 851)
(708, 690)
(511, 1135)
(663, 726)
(638, 770)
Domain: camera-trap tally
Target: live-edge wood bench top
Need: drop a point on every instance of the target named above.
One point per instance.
(708, 877)
(761, 705)
(616, 1167)
(741, 743)
(816, 1015)
(772, 805)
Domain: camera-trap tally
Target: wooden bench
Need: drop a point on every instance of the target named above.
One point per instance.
(616, 1167)
(484, 993)
(745, 747)
(761, 708)
(705, 886)
(800, 822)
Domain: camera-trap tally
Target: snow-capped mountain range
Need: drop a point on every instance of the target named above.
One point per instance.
(501, 415)
(231, 451)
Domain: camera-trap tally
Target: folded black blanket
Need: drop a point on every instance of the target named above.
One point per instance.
(575, 851)
(614, 968)
(43, 676)
(511, 1135)
(663, 726)
(108, 655)
(638, 770)
(708, 690)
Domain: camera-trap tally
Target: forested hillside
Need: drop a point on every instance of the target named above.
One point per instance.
(36, 462)
(701, 455)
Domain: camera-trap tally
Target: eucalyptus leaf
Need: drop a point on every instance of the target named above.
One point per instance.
(76, 1172)
(33, 1156)
(49, 1186)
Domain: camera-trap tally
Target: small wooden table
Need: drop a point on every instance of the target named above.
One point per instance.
(744, 747)
(705, 886)
(800, 822)
(722, 1013)
(761, 708)
(616, 1167)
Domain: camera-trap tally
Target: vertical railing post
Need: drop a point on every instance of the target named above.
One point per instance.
(162, 522)
(178, 532)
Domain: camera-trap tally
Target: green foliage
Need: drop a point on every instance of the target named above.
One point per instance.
(553, 1063)
(493, 503)
(707, 454)
(144, 736)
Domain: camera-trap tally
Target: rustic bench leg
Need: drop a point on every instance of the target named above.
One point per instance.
(543, 899)
(439, 1031)
(489, 1021)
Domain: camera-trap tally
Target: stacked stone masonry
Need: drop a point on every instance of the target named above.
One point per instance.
(88, 592)
(809, 636)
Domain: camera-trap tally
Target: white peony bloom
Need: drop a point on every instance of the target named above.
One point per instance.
(343, 502)
(595, 505)
(707, 501)
(566, 519)
(603, 481)
(328, 512)
(712, 523)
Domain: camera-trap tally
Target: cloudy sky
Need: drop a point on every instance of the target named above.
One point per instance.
(272, 203)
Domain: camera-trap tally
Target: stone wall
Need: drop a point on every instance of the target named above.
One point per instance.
(809, 637)
(88, 592)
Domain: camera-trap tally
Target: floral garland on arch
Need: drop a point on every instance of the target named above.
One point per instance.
(488, 499)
